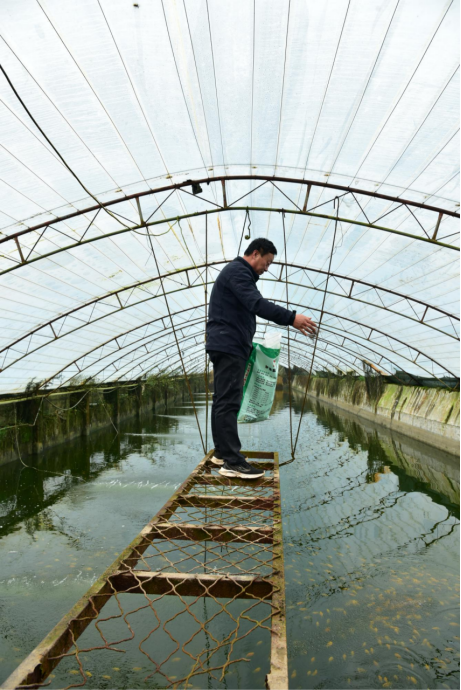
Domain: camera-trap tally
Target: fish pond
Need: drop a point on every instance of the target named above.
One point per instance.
(371, 539)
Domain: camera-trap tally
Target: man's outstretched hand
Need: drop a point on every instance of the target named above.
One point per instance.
(305, 325)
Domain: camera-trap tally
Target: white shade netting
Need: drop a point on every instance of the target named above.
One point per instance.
(330, 128)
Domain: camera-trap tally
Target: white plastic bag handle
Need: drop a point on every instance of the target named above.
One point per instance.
(273, 340)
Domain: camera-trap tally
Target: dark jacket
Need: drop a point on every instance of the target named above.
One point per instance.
(234, 304)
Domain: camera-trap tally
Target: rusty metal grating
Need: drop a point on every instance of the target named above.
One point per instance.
(202, 579)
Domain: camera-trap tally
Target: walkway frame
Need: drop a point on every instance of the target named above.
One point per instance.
(251, 567)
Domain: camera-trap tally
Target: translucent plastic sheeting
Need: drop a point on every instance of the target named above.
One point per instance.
(138, 99)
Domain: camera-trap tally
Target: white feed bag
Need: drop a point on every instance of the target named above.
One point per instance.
(260, 379)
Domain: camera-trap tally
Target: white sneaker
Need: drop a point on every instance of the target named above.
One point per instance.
(217, 460)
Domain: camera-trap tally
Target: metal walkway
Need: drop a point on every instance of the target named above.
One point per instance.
(203, 580)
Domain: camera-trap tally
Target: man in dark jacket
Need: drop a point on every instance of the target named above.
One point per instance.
(234, 304)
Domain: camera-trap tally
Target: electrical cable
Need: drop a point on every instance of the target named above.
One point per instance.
(10, 83)
(248, 235)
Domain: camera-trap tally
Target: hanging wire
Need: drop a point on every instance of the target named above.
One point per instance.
(113, 215)
(248, 235)
(206, 319)
(288, 335)
(177, 344)
(20, 458)
(336, 205)
(56, 150)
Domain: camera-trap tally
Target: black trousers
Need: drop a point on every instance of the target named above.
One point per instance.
(229, 371)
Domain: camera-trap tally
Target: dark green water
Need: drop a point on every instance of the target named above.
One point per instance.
(371, 533)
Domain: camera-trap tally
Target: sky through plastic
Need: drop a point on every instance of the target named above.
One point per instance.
(330, 127)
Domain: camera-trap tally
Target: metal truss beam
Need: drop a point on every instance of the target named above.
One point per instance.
(301, 358)
(367, 337)
(377, 355)
(350, 350)
(381, 356)
(22, 253)
(223, 178)
(54, 326)
(152, 353)
(164, 334)
(25, 253)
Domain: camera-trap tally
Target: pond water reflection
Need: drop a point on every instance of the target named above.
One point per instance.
(371, 527)
(371, 532)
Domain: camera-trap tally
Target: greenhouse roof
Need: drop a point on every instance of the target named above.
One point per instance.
(330, 127)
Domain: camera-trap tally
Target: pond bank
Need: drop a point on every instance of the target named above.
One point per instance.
(430, 466)
(30, 424)
(430, 415)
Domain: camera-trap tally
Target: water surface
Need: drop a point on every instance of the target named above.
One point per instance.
(371, 537)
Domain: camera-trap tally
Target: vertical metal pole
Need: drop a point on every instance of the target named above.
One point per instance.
(23, 261)
(224, 195)
(336, 203)
(206, 319)
(277, 678)
(288, 334)
(191, 395)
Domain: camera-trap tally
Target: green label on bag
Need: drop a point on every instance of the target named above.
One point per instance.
(259, 384)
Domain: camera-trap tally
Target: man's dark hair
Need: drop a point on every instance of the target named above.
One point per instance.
(261, 245)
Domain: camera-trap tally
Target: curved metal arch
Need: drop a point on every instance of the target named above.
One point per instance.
(197, 358)
(199, 334)
(186, 325)
(25, 260)
(382, 333)
(193, 358)
(301, 360)
(366, 344)
(339, 346)
(335, 356)
(223, 179)
(203, 267)
(168, 332)
(188, 354)
(191, 352)
(181, 326)
(377, 288)
(195, 361)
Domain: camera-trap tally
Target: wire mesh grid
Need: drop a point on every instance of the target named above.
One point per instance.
(196, 600)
